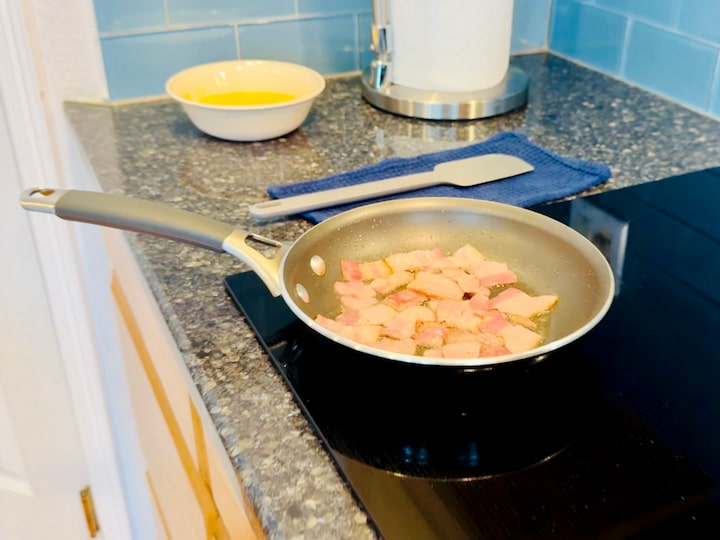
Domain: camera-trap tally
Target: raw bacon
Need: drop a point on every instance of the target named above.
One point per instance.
(376, 314)
(350, 270)
(364, 333)
(426, 303)
(414, 260)
(517, 302)
(392, 282)
(374, 269)
(431, 335)
(354, 288)
(519, 338)
(467, 255)
(404, 299)
(436, 285)
(358, 302)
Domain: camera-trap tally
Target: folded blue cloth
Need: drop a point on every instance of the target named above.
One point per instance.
(554, 177)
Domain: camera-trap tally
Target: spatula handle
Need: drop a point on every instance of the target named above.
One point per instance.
(341, 195)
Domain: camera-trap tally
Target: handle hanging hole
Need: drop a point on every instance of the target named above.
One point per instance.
(260, 243)
(41, 192)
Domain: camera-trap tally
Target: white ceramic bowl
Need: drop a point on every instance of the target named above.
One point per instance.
(246, 122)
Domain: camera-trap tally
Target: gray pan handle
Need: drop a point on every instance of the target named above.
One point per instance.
(136, 215)
(157, 219)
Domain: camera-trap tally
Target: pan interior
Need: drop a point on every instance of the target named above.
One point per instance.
(547, 256)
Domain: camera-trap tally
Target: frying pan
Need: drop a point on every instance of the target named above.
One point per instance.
(547, 256)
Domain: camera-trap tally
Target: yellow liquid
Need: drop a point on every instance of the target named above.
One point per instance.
(246, 98)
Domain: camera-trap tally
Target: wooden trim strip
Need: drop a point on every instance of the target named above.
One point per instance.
(200, 447)
(215, 528)
(159, 509)
(202, 494)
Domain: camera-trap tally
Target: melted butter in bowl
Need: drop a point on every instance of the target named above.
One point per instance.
(246, 98)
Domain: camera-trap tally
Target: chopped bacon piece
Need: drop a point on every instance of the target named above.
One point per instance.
(349, 316)
(331, 324)
(507, 277)
(350, 270)
(405, 298)
(458, 314)
(491, 344)
(386, 285)
(431, 335)
(467, 255)
(436, 285)
(519, 338)
(357, 302)
(455, 335)
(451, 312)
(493, 273)
(493, 321)
(467, 282)
(374, 269)
(399, 328)
(404, 323)
(487, 268)
(527, 322)
(365, 334)
(414, 260)
(445, 263)
(453, 272)
(418, 314)
(377, 314)
(480, 301)
(354, 288)
(486, 352)
(518, 302)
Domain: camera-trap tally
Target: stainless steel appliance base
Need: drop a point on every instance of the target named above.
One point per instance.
(511, 93)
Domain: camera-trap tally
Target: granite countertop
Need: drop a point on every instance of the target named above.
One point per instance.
(151, 150)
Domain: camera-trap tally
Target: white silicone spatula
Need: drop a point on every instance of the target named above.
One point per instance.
(462, 172)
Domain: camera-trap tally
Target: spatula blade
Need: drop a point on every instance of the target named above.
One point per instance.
(477, 170)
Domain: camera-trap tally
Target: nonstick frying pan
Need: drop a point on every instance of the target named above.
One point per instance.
(547, 256)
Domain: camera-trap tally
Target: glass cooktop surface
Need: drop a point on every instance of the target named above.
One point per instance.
(616, 435)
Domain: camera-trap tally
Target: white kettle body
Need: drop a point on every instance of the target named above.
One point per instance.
(450, 45)
(443, 59)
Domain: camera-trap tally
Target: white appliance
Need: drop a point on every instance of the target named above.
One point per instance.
(443, 59)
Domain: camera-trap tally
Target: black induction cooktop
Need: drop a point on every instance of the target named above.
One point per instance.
(614, 436)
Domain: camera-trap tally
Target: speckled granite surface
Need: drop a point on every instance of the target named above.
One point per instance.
(151, 150)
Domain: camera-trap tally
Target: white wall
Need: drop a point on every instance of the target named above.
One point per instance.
(51, 54)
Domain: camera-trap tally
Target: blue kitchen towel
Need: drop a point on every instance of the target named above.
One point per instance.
(555, 176)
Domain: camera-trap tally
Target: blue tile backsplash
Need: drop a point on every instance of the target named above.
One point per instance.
(129, 15)
(139, 64)
(590, 34)
(686, 66)
(225, 11)
(670, 47)
(326, 44)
